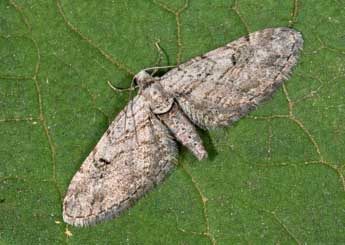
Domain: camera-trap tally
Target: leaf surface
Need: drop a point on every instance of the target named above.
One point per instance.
(276, 176)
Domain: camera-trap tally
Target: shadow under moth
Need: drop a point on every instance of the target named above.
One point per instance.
(212, 90)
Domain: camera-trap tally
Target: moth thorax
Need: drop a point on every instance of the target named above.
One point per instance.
(143, 79)
(160, 101)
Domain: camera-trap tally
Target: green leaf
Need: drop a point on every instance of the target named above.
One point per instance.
(276, 176)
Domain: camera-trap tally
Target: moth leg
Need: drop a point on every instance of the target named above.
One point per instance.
(184, 131)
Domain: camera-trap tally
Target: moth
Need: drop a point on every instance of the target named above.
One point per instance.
(212, 90)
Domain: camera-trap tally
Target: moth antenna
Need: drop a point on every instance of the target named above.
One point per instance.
(160, 56)
(116, 89)
(130, 102)
(159, 67)
(161, 53)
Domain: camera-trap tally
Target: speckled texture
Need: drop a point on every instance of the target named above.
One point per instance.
(221, 86)
(134, 154)
(138, 149)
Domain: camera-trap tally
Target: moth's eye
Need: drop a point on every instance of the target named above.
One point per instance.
(135, 81)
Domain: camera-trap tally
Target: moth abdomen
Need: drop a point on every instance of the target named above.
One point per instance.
(184, 131)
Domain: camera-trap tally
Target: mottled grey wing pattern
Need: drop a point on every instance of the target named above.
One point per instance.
(138, 150)
(221, 86)
(134, 154)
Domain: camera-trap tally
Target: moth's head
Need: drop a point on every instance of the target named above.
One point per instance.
(143, 79)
